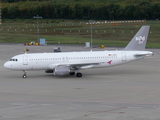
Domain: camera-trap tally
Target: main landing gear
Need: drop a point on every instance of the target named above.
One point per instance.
(78, 74)
(24, 76)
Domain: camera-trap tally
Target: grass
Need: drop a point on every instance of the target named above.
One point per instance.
(74, 32)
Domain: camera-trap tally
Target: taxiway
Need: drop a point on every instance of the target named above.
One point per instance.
(126, 92)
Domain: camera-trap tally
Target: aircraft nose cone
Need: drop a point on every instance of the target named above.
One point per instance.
(6, 65)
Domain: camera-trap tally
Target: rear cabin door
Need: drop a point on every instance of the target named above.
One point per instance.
(124, 58)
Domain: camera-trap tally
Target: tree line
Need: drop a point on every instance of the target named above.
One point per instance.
(83, 9)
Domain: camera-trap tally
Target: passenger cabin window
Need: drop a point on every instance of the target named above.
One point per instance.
(13, 59)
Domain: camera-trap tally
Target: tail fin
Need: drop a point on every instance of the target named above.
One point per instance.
(139, 41)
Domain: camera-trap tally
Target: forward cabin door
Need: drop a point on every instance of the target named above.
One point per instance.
(25, 60)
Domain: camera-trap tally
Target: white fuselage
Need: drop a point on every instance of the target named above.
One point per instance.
(44, 61)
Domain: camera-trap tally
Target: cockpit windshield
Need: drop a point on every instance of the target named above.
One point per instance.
(13, 59)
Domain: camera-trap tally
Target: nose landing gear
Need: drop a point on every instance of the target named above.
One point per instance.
(24, 76)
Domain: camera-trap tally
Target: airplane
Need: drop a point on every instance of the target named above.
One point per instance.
(70, 63)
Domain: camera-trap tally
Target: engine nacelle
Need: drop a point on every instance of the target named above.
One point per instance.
(48, 71)
(58, 71)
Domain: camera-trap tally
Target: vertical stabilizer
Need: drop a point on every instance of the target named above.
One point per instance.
(139, 41)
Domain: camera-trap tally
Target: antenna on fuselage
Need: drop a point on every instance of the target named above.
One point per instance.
(25, 50)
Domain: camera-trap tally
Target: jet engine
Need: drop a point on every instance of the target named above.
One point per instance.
(58, 71)
(48, 71)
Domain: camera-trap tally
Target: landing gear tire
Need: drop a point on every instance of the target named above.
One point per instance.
(24, 76)
(79, 74)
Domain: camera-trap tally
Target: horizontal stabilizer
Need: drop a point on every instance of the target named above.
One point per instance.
(143, 54)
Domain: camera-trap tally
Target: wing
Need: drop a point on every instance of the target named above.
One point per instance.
(78, 66)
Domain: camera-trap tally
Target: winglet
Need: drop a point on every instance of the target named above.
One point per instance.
(139, 41)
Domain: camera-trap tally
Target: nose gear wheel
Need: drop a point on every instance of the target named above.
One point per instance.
(24, 76)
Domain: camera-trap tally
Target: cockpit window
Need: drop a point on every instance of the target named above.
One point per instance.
(13, 59)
